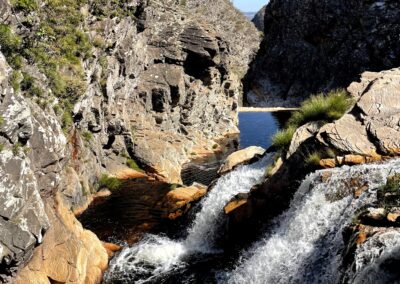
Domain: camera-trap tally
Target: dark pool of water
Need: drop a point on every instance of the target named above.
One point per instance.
(128, 212)
(257, 128)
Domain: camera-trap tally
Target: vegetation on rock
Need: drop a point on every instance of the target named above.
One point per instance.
(106, 181)
(321, 107)
(389, 194)
(133, 165)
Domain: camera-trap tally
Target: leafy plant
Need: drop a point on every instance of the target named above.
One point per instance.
(319, 107)
(87, 136)
(67, 120)
(1, 147)
(16, 149)
(389, 194)
(9, 41)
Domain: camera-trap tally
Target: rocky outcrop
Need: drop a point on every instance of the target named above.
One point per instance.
(171, 89)
(352, 139)
(241, 157)
(258, 19)
(108, 85)
(178, 201)
(318, 46)
(68, 254)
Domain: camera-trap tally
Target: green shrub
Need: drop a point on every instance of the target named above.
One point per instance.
(1, 147)
(15, 61)
(15, 80)
(112, 183)
(1, 120)
(9, 41)
(67, 120)
(25, 5)
(174, 186)
(133, 165)
(321, 107)
(282, 138)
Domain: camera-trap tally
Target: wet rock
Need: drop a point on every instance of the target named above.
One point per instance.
(178, 201)
(241, 157)
(374, 214)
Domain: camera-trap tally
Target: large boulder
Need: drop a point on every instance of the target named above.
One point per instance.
(178, 201)
(240, 157)
(68, 254)
(314, 46)
(369, 132)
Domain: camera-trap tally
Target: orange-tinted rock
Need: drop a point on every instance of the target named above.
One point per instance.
(325, 176)
(177, 201)
(240, 157)
(234, 205)
(111, 248)
(327, 163)
(360, 190)
(68, 253)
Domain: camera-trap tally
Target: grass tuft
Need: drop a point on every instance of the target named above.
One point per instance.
(319, 107)
(112, 183)
(313, 159)
(283, 137)
(322, 107)
(133, 165)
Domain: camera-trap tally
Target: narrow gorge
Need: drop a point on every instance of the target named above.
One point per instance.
(187, 141)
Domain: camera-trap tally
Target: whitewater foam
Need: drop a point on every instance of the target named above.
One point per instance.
(155, 255)
(305, 244)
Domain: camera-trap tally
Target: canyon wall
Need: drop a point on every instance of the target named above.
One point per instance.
(88, 87)
(313, 46)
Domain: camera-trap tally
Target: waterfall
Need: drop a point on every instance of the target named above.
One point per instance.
(155, 254)
(305, 243)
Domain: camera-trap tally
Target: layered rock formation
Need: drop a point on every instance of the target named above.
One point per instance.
(314, 46)
(87, 88)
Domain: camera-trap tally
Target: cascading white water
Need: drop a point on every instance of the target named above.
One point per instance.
(156, 254)
(375, 257)
(305, 243)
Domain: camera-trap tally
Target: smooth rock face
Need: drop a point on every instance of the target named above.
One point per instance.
(69, 253)
(240, 157)
(348, 135)
(314, 46)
